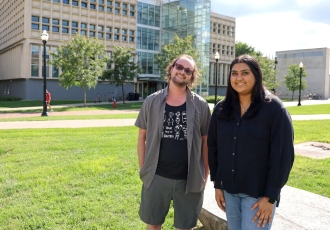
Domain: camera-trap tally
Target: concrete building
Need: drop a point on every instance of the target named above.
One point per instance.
(145, 25)
(316, 63)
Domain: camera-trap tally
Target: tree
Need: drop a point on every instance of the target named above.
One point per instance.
(122, 67)
(178, 47)
(292, 80)
(82, 61)
(243, 48)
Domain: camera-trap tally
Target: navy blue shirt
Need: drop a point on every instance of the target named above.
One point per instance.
(252, 155)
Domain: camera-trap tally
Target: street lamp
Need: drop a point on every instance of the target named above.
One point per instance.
(301, 67)
(275, 63)
(216, 57)
(44, 38)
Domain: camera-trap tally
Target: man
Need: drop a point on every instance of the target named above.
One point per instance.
(48, 98)
(172, 148)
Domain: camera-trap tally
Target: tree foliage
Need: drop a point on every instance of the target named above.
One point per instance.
(292, 79)
(178, 47)
(82, 61)
(122, 67)
(243, 48)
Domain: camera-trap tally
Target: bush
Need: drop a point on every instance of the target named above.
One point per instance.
(210, 99)
(10, 98)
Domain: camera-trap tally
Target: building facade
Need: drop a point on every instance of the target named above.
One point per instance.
(316, 64)
(144, 25)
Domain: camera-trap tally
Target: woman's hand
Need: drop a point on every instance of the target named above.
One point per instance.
(219, 197)
(264, 213)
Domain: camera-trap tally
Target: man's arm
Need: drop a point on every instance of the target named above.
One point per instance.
(141, 146)
(205, 157)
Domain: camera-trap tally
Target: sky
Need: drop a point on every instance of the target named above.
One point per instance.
(278, 25)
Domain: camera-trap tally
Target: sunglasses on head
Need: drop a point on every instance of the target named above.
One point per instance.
(185, 70)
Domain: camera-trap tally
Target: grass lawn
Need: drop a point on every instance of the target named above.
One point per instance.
(309, 109)
(18, 104)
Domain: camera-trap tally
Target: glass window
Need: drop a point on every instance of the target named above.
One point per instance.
(109, 9)
(108, 29)
(83, 32)
(65, 30)
(108, 36)
(101, 8)
(124, 12)
(65, 23)
(132, 7)
(55, 29)
(116, 37)
(91, 33)
(116, 31)
(131, 14)
(56, 22)
(66, 2)
(35, 26)
(123, 31)
(117, 4)
(117, 11)
(92, 27)
(83, 5)
(56, 0)
(73, 31)
(101, 1)
(100, 28)
(92, 0)
(92, 6)
(131, 32)
(100, 35)
(131, 39)
(35, 19)
(75, 3)
(35, 61)
(45, 20)
(45, 27)
(124, 5)
(83, 25)
(74, 24)
(109, 3)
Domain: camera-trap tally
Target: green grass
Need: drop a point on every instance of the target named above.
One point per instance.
(309, 109)
(18, 104)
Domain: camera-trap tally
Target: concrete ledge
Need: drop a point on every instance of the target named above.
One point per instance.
(211, 221)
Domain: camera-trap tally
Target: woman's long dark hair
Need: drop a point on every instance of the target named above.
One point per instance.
(226, 107)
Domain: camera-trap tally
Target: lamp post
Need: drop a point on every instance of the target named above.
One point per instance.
(44, 38)
(216, 57)
(301, 67)
(275, 63)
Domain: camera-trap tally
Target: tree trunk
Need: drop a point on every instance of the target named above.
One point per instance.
(84, 96)
(292, 95)
(122, 89)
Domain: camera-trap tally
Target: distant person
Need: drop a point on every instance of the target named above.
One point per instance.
(172, 148)
(250, 145)
(48, 99)
(98, 97)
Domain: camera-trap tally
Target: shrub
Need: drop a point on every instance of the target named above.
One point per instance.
(10, 98)
(210, 99)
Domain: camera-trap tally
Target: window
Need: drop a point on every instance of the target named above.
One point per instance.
(92, 6)
(100, 28)
(131, 14)
(116, 37)
(73, 31)
(56, 22)
(65, 30)
(124, 5)
(92, 27)
(83, 25)
(75, 3)
(92, 0)
(66, 2)
(109, 3)
(108, 30)
(131, 39)
(35, 26)
(124, 12)
(100, 35)
(56, 0)
(116, 31)
(83, 32)
(101, 8)
(109, 9)
(74, 24)
(108, 36)
(124, 31)
(55, 29)
(35, 61)
(35, 19)
(45, 20)
(117, 11)
(131, 7)
(131, 32)
(101, 1)
(65, 23)
(45, 27)
(91, 33)
(83, 5)
(117, 4)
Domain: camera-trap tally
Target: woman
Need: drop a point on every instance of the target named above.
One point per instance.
(250, 144)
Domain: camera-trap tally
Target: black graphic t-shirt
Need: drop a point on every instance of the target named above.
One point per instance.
(173, 154)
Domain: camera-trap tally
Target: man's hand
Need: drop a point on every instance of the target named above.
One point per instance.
(264, 213)
(219, 197)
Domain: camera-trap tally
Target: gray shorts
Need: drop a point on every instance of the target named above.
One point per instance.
(155, 203)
